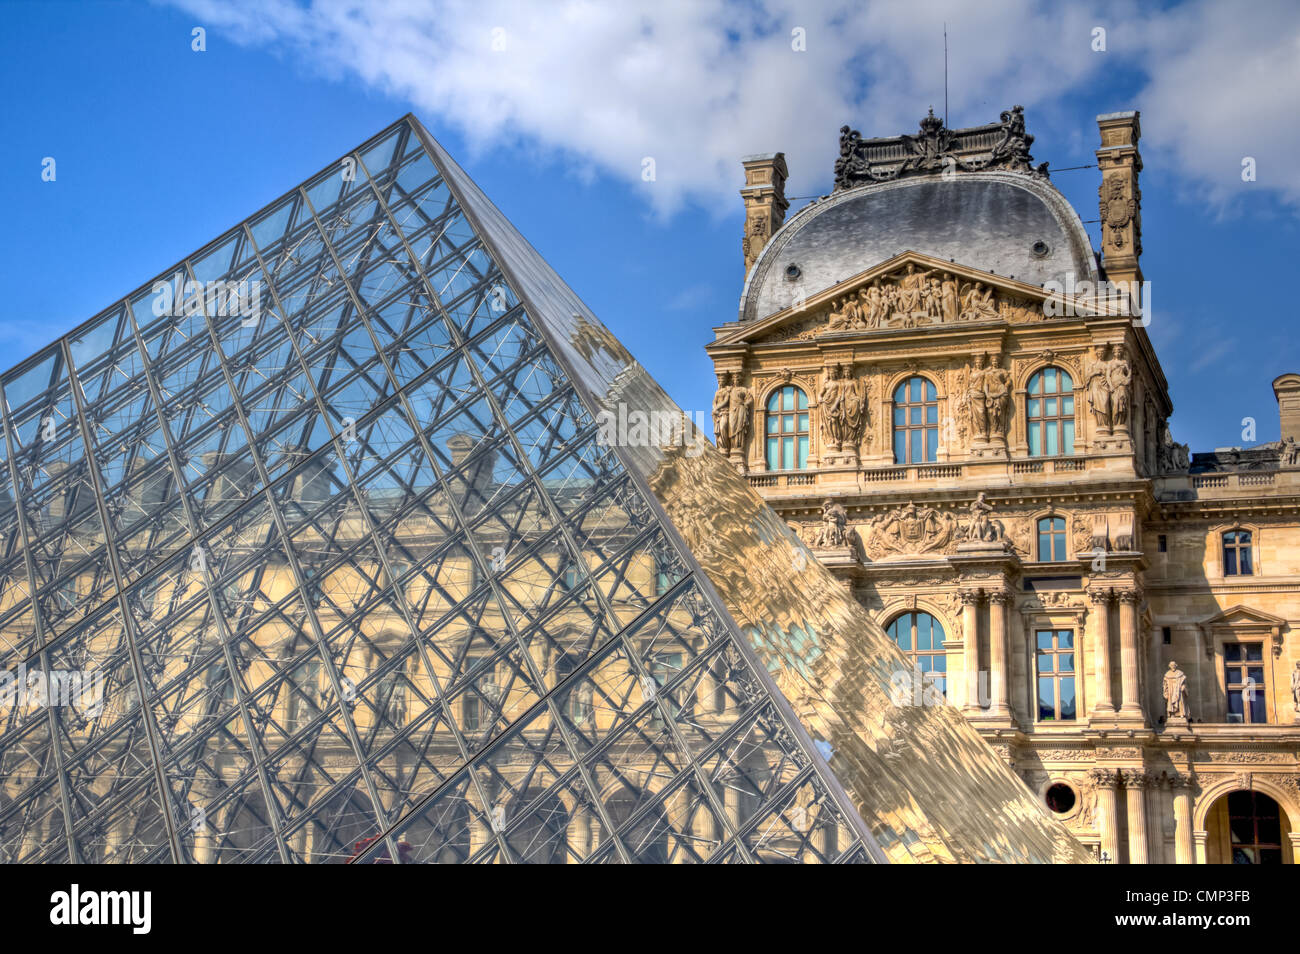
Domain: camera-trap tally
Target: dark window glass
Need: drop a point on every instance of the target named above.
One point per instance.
(1055, 665)
(1243, 681)
(1236, 553)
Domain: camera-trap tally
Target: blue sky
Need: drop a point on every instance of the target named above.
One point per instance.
(160, 148)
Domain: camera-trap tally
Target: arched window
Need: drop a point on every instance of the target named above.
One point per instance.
(1049, 408)
(787, 429)
(1051, 539)
(1236, 553)
(1254, 828)
(921, 637)
(916, 422)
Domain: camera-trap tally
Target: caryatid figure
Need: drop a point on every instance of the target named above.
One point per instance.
(978, 401)
(1119, 378)
(997, 391)
(721, 417)
(831, 400)
(853, 408)
(741, 417)
(1099, 386)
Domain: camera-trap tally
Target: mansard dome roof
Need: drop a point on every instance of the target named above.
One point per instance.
(990, 220)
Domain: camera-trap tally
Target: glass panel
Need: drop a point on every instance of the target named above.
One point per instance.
(1046, 698)
(396, 602)
(1067, 697)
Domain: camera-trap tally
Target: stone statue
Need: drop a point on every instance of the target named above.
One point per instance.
(1295, 688)
(977, 303)
(1175, 692)
(982, 529)
(1172, 456)
(721, 417)
(977, 402)
(830, 401)
(853, 408)
(948, 298)
(834, 529)
(997, 397)
(1119, 379)
(1098, 386)
(933, 299)
(740, 415)
(1290, 453)
(911, 288)
(873, 299)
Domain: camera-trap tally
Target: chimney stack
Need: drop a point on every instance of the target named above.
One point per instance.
(1121, 199)
(765, 201)
(1286, 388)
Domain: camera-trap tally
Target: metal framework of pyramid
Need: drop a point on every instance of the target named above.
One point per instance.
(325, 523)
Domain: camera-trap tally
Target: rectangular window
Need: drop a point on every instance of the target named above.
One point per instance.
(1243, 679)
(1055, 667)
(471, 713)
(1167, 634)
(1162, 543)
(1236, 553)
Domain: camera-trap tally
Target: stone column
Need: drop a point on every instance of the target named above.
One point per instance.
(579, 835)
(1184, 845)
(1135, 788)
(1202, 839)
(970, 648)
(1106, 781)
(1130, 705)
(999, 677)
(1102, 704)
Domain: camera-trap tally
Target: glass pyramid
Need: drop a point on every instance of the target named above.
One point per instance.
(329, 524)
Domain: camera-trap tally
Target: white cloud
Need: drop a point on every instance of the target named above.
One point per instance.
(696, 85)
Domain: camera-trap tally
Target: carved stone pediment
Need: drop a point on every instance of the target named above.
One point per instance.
(909, 291)
(1243, 620)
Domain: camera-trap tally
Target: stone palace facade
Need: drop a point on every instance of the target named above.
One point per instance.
(943, 388)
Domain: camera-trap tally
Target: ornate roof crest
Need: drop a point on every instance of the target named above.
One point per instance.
(935, 149)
